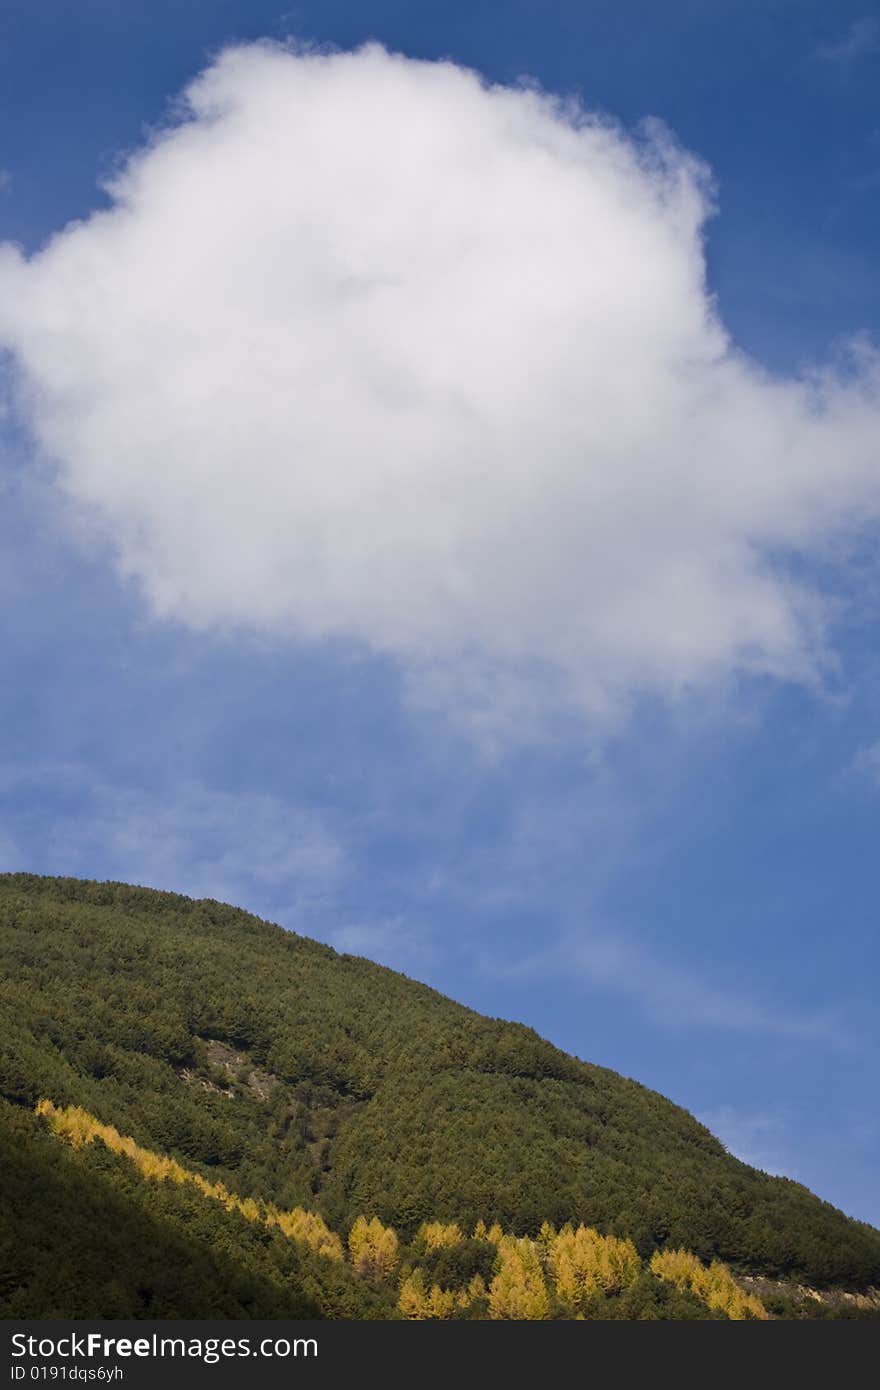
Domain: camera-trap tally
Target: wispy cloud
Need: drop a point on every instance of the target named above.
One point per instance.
(674, 996)
(757, 1137)
(865, 766)
(861, 39)
(395, 943)
(249, 849)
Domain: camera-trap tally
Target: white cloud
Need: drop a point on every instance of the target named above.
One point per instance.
(365, 348)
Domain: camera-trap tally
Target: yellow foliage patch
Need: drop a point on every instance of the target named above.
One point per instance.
(418, 1303)
(714, 1283)
(583, 1263)
(78, 1127)
(518, 1289)
(374, 1248)
(436, 1235)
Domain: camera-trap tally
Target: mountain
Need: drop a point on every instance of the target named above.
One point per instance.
(269, 1072)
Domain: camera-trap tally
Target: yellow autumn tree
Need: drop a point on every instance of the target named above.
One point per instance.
(492, 1233)
(584, 1263)
(374, 1248)
(441, 1302)
(411, 1302)
(436, 1235)
(714, 1284)
(418, 1303)
(518, 1289)
(308, 1227)
(475, 1289)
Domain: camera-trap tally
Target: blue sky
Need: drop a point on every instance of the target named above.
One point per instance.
(552, 778)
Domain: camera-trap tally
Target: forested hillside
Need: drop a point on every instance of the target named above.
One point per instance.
(298, 1078)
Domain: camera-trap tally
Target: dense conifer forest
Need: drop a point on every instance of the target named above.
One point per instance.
(204, 1115)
